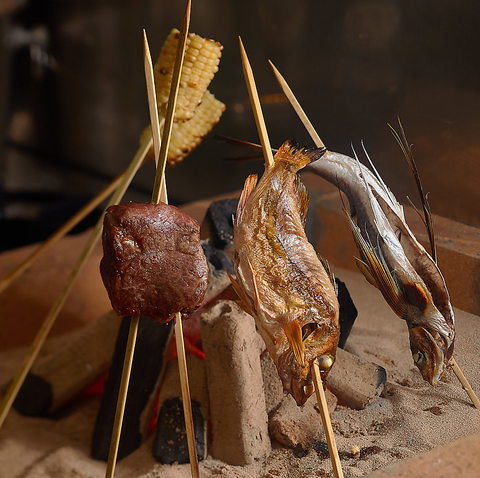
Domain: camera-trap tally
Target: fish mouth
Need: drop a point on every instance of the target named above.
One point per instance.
(427, 354)
(297, 378)
(306, 344)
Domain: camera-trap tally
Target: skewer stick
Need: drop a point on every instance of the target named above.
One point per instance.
(172, 102)
(187, 403)
(60, 232)
(296, 106)
(159, 193)
(122, 397)
(54, 311)
(318, 142)
(465, 384)
(327, 425)
(257, 108)
(267, 151)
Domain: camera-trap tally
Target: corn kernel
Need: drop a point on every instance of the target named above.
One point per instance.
(187, 135)
(191, 90)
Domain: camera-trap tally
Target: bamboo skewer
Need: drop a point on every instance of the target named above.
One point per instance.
(327, 424)
(318, 142)
(465, 384)
(187, 403)
(267, 152)
(257, 109)
(159, 194)
(122, 397)
(61, 232)
(54, 311)
(296, 106)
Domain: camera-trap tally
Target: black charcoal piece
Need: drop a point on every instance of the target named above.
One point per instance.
(322, 449)
(219, 220)
(34, 398)
(147, 362)
(217, 257)
(348, 312)
(170, 442)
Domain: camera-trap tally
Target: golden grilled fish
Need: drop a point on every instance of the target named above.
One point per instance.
(395, 262)
(280, 279)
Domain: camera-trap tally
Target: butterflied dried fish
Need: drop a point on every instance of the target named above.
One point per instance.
(395, 262)
(279, 278)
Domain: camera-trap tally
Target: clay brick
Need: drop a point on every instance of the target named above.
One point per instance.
(356, 382)
(235, 385)
(457, 459)
(299, 427)
(272, 383)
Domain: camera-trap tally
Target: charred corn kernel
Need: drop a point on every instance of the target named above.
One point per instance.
(187, 135)
(355, 450)
(200, 65)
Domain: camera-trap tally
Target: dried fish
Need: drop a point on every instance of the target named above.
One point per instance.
(394, 261)
(280, 279)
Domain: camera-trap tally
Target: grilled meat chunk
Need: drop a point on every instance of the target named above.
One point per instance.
(153, 262)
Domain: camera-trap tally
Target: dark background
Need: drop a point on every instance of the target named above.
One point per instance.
(73, 98)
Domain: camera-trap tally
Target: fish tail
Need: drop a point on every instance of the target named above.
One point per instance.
(292, 154)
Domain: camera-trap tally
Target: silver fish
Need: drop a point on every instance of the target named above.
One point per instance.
(394, 261)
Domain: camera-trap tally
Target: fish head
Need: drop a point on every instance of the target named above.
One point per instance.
(431, 345)
(430, 353)
(306, 344)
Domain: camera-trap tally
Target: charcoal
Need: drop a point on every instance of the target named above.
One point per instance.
(348, 312)
(170, 442)
(35, 397)
(217, 257)
(219, 220)
(147, 362)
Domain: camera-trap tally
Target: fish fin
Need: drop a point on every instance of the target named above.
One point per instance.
(391, 201)
(303, 198)
(378, 272)
(292, 154)
(365, 270)
(256, 295)
(407, 152)
(248, 188)
(326, 266)
(416, 294)
(242, 300)
(244, 307)
(293, 332)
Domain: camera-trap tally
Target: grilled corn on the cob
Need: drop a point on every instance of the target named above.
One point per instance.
(200, 65)
(187, 135)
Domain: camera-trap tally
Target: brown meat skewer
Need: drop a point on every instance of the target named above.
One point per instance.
(159, 194)
(267, 152)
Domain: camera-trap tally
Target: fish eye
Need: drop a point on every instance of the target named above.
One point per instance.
(325, 362)
(418, 357)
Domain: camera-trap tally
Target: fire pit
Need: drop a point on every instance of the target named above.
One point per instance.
(401, 429)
